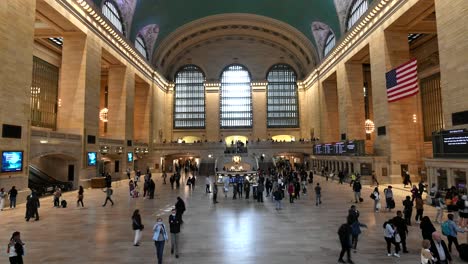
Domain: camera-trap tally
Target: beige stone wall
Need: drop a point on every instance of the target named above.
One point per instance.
(16, 51)
(452, 21)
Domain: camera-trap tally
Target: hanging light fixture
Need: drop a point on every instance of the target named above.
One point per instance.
(103, 114)
(369, 126)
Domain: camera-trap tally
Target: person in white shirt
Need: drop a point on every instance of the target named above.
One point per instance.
(390, 233)
(377, 204)
(208, 183)
(426, 255)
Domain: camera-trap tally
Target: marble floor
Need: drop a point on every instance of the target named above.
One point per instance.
(232, 231)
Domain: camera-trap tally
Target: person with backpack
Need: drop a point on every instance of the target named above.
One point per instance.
(450, 230)
(357, 191)
(390, 235)
(137, 226)
(109, 193)
(318, 194)
(344, 234)
(408, 209)
(57, 194)
(353, 219)
(15, 249)
(419, 208)
(278, 196)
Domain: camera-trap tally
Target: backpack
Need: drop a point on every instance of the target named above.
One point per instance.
(445, 228)
(63, 203)
(461, 204)
(372, 196)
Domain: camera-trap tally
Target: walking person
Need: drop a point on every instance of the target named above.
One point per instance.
(172, 180)
(344, 234)
(390, 203)
(353, 219)
(109, 193)
(291, 192)
(12, 193)
(247, 188)
(407, 180)
(164, 176)
(151, 188)
(174, 227)
(159, 238)
(15, 249)
(376, 197)
(390, 233)
(57, 195)
(318, 194)
(374, 179)
(419, 208)
(439, 204)
(408, 209)
(260, 189)
(357, 191)
(32, 206)
(137, 227)
(278, 197)
(2, 198)
(207, 183)
(427, 228)
(80, 197)
(402, 229)
(215, 193)
(450, 229)
(426, 255)
(180, 208)
(439, 249)
(128, 173)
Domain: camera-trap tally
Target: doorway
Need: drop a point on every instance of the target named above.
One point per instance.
(71, 173)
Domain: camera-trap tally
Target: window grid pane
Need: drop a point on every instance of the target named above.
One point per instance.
(44, 89)
(358, 9)
(236, 98)
(140, 46)
(109, 10)
(431, 99)
(329, 44)
(189, 98)
(282, 101)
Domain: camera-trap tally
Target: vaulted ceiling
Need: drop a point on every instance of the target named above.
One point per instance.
(158, 19)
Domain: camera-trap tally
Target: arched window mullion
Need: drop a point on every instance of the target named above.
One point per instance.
(235, 98)
(189, 98)
(282, 97)
(329, 43)
(358, 8)
(111, 12)
(140, 45)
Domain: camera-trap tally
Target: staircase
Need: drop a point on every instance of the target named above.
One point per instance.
(43, 184)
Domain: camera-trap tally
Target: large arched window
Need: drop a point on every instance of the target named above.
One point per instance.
(111, 12)
(329, 43)
(282, 105)
(235, 97)
(358, 8)
(141, 46)
(189, 98)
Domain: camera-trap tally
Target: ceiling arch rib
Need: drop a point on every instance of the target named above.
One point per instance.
(252, 26)
(321, 31)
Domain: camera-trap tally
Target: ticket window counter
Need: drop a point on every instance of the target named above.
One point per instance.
(459, 181)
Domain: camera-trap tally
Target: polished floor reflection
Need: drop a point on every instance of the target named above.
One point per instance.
(232, 231)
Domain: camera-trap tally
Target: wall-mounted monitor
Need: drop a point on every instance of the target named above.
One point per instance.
(130, 156)
(12, 161)
(92, 158)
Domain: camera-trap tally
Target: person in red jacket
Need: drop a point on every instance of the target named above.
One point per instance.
(291, 192)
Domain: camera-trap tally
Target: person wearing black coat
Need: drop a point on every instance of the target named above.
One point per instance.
(427, 228)
(439, 249)
(180, 209)
(137, 226)
(402, 228)
(151, 188)
(174, 227)
(408, 211)
(344, 234)
(32, 205)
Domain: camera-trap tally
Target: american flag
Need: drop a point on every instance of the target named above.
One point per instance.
(402, 81)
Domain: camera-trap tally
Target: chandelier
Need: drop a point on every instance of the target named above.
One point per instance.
(369, 126)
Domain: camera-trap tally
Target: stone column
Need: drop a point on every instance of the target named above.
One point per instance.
(141, 117)
(403, 139)
(212, 111)
(16, 53)
(351, 100)
(80, 92)
(259, 109)
(329, 131)
(452, 22)
(121, 82)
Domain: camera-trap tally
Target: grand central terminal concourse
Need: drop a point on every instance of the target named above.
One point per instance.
(234, 132)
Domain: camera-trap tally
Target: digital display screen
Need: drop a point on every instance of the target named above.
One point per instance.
(318, 149)
(451, 143)
(130, 156)
(12, 161)
(92, 158)
(351, 147)
(328, 149)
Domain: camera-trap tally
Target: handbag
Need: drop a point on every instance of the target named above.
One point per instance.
(397, 238)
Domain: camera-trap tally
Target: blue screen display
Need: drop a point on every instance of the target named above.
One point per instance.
(92, 158)
(12, 161)
(130, 156)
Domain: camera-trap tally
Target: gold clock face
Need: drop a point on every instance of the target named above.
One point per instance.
(236, 159)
